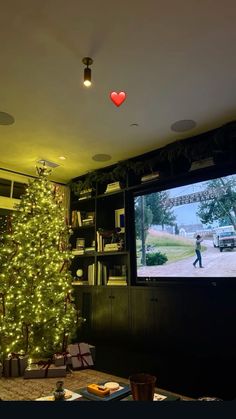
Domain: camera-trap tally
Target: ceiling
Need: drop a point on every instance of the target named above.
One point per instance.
(175, 60)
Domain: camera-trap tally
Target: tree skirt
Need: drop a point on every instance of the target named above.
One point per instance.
(31, 389)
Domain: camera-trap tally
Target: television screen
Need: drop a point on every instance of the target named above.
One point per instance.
(187, 231)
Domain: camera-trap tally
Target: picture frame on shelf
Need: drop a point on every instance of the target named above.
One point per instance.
(120, 219)
(80, 243)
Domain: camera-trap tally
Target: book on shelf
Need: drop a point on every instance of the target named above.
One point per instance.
(76, 252)
(101, 273)
(85, 218)
(117, 280)
(112, 282)
(89, 249)
(112, 247)
(104, 274)
(150, 176)
(107, 240)
(80, 243)
(92, 274)
(78, 282)
(111, 187)
(74, 219)
(85, 194)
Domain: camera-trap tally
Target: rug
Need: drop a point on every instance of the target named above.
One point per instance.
(31, 389)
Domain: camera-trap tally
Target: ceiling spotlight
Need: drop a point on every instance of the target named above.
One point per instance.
(101, 157)
(87, 71)
(183, 125)
(62, 158)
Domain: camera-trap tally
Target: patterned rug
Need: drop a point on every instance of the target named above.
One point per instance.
(31, 389)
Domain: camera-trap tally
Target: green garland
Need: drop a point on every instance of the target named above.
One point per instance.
(118, 173)
(195, 148)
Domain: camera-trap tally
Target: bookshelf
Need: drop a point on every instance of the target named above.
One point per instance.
(99, 240)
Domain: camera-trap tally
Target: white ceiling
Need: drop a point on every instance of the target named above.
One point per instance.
(174, 59)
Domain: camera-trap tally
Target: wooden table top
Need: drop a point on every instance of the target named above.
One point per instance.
(30, 389)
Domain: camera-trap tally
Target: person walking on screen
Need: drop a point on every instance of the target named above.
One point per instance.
(198, 251)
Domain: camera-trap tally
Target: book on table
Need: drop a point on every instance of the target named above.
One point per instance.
(121, 392)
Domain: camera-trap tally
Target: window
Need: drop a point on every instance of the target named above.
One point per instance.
(5, 187)
(18, 189)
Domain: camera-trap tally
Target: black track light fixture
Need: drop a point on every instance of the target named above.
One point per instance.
(87, 71)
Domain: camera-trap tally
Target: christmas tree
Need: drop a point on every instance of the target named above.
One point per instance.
(37, 314)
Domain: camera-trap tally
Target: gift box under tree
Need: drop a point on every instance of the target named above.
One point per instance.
(80, 355)
(15, 364)
(92, 349)
(44, 369)
(62, 358)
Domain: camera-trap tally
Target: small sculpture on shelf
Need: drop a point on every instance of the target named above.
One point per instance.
(59, 393)
(79, 275)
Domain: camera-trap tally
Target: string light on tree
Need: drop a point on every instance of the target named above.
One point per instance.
(36, 307)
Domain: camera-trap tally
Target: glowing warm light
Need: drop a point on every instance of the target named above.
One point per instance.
(87, 83)
(36, 310)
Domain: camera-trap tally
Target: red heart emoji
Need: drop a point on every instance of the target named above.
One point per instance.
(118, 98)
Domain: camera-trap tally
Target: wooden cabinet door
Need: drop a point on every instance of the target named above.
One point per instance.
(101, 312)
(110, 313)
(84, 300)
(120, 322)
(145, 315)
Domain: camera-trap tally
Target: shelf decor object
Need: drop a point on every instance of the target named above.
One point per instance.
(120, 219)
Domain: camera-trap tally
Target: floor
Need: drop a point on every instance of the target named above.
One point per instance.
(182, 374)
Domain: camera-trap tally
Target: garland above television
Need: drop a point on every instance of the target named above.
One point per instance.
(176, 157)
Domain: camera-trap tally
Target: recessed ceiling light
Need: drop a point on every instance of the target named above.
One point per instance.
(183, 125)
(6, 119)
(101, 157)
(62, 158)
(134, 125)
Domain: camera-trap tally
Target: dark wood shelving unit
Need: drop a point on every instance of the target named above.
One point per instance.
(185, 318)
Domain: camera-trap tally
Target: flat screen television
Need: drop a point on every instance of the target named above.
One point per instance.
(181, 229)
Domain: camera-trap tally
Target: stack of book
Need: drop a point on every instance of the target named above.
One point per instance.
(85, 218)
(117, 275)
(150, 176)
(89, 249)
(77, 252)
(117, 280)
(85, 194)
(112, 187)
(105, 242)
(112, 247)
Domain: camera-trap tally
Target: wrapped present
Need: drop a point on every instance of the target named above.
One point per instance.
(92, 349)
(15, 364)
(44, 369)
(62, 358)
(80, 355)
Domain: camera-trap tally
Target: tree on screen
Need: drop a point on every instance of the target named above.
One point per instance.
(222, 207)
